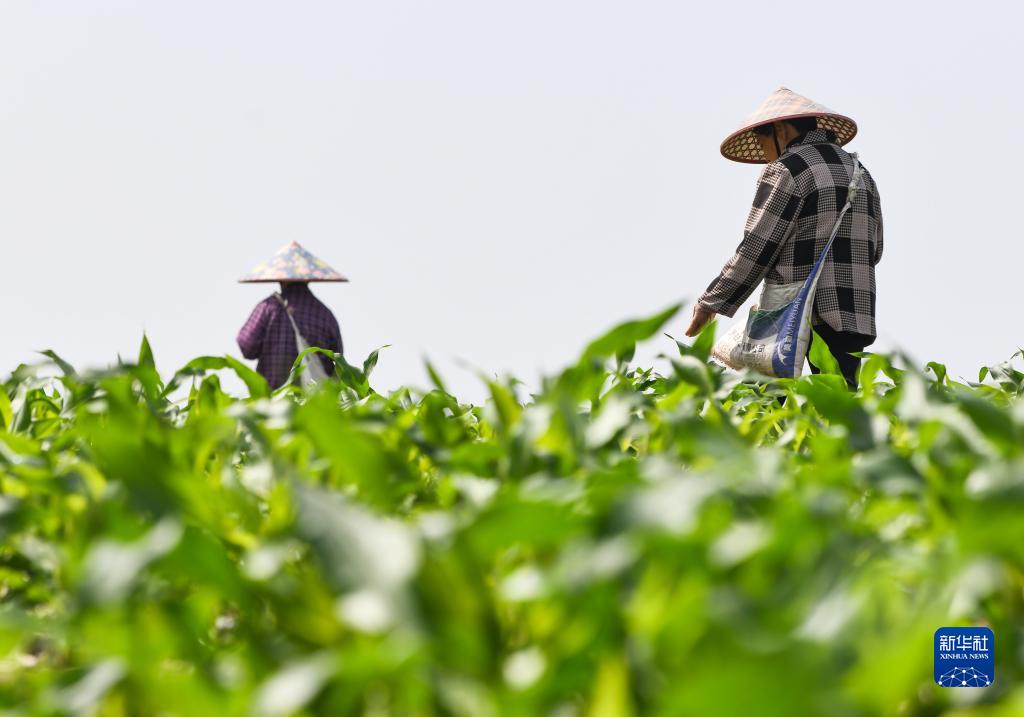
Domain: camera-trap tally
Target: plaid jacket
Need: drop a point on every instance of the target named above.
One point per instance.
(798, 199)
(268, 334)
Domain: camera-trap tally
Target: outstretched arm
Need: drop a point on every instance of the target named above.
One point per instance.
(250, 338)
(772, 219)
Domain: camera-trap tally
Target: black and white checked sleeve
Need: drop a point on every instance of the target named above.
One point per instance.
(876, 208)
(772, 220)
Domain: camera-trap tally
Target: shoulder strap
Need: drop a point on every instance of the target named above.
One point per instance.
(288, 313)
(851, 194)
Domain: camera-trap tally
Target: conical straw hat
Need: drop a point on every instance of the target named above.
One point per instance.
(742, 145)
(292, 263)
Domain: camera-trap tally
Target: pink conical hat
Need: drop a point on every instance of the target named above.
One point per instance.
(292, 263)
(742, 145)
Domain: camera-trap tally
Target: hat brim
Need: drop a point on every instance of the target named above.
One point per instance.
(743, 145)
(291, 280)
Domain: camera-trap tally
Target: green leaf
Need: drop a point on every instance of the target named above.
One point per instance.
(939, 370)
(112, 568)
(350, 540)
(146, 353)
(145, 371)
(693, 371)
(611, 696)
(257, 385)
(84, 696)
(371, 361)
(822, 357)
(6, 412)
(831, 397)
(702, 345)
(64, 366)
(993, 421)
(625, 336)
(435, 377)
(351, 376)
(705, 340)
(293, 687)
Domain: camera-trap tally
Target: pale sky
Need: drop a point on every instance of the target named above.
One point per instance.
(500, 181)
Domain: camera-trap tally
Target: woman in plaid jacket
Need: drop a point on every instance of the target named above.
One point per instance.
(799, 195)
(272, 333)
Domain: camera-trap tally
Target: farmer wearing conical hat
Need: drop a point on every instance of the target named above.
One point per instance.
(279, 322)
(799, 195)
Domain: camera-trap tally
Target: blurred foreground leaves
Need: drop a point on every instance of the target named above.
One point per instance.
(624, 542)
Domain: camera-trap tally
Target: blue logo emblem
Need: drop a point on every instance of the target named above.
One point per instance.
(964, 657)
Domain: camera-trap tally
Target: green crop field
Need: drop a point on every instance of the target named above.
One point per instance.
(622, 542)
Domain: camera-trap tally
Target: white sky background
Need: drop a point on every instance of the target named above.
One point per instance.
(501, 181)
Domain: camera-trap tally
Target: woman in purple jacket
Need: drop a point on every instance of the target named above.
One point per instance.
(269, 334)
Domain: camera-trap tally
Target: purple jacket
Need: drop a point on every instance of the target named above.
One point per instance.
(268, 335)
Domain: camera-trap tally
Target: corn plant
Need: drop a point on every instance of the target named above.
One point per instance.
(625, 541)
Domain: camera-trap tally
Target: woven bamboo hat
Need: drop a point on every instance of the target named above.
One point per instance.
(783, 104)
(292, 263)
